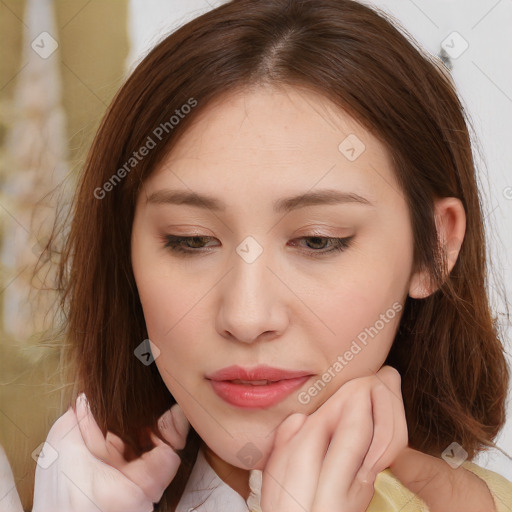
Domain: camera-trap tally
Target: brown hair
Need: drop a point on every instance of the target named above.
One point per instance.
(447, 347)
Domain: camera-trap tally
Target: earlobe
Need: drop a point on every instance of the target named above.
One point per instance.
(418, 288)
(450, 218)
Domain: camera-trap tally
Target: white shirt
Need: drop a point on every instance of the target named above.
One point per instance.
(9, 499)
(204, 485)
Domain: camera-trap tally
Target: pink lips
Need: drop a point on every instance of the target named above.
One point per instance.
(260, 395)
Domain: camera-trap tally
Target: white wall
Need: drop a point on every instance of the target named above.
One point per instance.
(483, 75)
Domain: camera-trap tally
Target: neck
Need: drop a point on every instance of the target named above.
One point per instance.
(236, 478)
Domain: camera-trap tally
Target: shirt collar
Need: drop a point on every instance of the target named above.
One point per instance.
(205, 491)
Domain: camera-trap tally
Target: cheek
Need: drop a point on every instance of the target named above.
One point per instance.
(173, 320)
(364, 332)
(162, 294)
(167, 318)
(361, 320)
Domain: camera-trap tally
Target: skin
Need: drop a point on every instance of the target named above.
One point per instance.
(211, 309)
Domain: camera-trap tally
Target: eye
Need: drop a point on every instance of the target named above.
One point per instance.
(185, 244)
(337, 244)
(195, 244)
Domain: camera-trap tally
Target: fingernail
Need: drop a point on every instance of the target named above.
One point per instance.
(366, 476)
(165, 421)
(82, 406)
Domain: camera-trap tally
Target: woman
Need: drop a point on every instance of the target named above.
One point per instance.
(248, 132)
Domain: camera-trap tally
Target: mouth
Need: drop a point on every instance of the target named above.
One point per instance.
(253, 382)
(258, 374)
(256, 388)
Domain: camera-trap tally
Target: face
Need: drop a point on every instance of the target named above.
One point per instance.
(315, 286)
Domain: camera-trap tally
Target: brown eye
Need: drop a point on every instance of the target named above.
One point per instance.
(185, 244)
(337, 244)
(196, 242)
(318, 241)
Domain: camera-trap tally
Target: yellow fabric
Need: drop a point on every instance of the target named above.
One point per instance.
(500, 487)
(392, 496)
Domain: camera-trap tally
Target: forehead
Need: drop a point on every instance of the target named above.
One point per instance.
(269, 138)
(266, 119)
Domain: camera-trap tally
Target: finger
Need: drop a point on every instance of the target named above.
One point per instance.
(399, 439)
(278, 461)
(92, 435)
(116, 449)
(154, 470)
(91, 479)
(116, 442)
(90, 431)
(288, 428)
(181, 422)
(391, 377)
(277, 493)
(174, 427)
(347, 449)
(383, 429)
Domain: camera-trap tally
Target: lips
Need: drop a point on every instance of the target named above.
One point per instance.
(255, 374)
(256, 388)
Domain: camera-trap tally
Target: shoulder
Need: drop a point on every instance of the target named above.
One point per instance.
(499, 487)
(392, 496)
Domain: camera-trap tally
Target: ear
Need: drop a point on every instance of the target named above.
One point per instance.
(450, 218)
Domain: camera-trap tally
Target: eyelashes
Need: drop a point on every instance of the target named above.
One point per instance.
(180, 245)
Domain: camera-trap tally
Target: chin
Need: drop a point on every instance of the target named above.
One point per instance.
(249, 455)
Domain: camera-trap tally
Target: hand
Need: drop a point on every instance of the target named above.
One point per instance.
(329, 460)
(91, 472)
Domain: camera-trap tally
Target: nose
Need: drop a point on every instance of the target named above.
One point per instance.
(252, 302)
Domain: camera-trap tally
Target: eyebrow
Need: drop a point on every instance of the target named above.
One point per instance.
(287, 204)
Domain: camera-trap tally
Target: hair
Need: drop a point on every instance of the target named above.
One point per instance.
(447, 348)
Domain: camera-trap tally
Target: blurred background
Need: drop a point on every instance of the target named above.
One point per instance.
(61, 62)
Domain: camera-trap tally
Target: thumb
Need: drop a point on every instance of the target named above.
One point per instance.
(174, 427)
